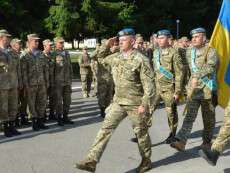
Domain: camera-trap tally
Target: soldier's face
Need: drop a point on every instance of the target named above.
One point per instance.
(33, 43)
(198, 39)
(4, 41)
(47, 47)
(60, 45)
(17, 46)
(163, 41)
(126, 43)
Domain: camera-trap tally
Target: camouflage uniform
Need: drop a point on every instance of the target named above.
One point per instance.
(167, 86)
(94, 69)
(51, 90)
(201, 95)
(105, 81)
(224, 134)
(62, 81)
(35, 77)
(86, 74)
(133, 87)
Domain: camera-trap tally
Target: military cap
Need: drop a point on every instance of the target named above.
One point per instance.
(138, 35)
(126, 31)
(84, 47)
(197, 30)
(165, 32)
(47, 41)
(33, 37)
(184, 38)
(59, 39)
(15, 40)
(4, 32)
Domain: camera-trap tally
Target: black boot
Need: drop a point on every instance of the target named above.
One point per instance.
(35, 126)
(211, 156)
(102, 112)
(67, 120)
(12, 128)
(60, 120)
(52, 115)
(41, 124)
(24, 120)
(17, 121)
(170, 138)
(6, 130)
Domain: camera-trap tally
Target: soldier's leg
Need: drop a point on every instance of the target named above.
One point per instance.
(4, 118)
(192, 110)
(52, 102)
(23, 107)
(208, 115)
(89, 81)
(41, 102)
(140, 128)
(13, 110)
(102, 96)
(171, 109)
(59, 104)
(31, 97)
(84, 84)
(224, 133)
(114, 115)
(67, 91)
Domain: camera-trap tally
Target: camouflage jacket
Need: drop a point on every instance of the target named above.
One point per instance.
(171, 62)
(132, 78)
(206, 62)
(63, 71)
(84, 63)
(50, 62)
(4, 69)
(35, 70)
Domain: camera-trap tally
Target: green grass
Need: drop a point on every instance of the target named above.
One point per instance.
(74, 58)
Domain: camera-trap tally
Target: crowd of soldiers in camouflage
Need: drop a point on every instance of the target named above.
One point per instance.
(130, 78)
(29, 78)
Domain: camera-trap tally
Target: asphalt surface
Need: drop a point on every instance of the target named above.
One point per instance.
(57, 149)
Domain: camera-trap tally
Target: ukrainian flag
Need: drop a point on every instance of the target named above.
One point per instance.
(220, 40)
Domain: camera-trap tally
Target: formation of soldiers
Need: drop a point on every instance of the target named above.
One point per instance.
(130, 77)
(140, 75)
(33, 79)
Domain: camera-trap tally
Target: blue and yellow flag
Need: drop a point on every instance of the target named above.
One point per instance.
(220, 40)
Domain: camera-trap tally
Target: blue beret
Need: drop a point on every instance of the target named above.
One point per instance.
(126, 31)
(164, 32)
(197, 30)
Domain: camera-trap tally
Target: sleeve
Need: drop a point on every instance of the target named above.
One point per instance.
(46, 71)
(178, 71)
(24, 66)
(71, 68)
(209, 67)
(19, 73)
(147, 80)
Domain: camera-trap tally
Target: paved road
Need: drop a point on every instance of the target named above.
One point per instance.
(56, 149)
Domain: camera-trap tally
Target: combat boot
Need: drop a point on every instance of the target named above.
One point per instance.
(87, 165)
(211, 156)
(170, 138)
(24, 120)
(67, 120)
(178, 145)
(6, 130)
(206, 145)
(12, 128)
(102, 112)
(60, 120)
(144, 166)
(41, 124)
(52, 115)
(35, 126)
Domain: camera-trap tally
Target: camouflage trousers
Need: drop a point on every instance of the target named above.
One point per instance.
(22, 101)
(63, 98)
(37, 100)
(224, 134)
(115, 113)
(170, 107)
(105, 92)
(86, 80)
(208, 115)
(51, 99)
(95, 81)
(8, 104)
